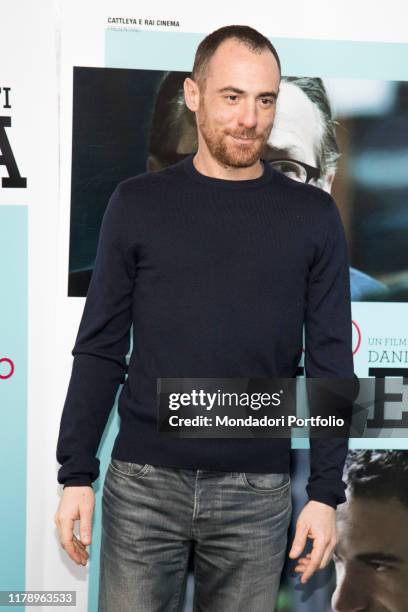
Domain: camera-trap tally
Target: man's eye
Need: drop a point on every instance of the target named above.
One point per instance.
(379, 567)
(266, 101)
(232, 96)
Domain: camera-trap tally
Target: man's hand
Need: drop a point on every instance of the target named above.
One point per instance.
(76, 503)
(318, 522)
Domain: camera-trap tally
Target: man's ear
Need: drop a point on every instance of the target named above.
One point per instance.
(191, 94)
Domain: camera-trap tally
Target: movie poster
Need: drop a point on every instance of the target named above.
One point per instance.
(96, 98)
(343, 133)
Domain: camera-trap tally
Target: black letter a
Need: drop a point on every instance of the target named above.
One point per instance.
(7, 158)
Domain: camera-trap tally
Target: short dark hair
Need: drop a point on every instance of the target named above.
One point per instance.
(248, 36)
(378, 474)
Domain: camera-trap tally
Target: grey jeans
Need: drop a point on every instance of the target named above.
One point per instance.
(235, 523)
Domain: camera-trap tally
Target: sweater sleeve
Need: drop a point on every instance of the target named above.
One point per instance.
(100, 349)
(328, 350)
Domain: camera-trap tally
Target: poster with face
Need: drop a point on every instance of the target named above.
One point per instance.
(137, 121)
(371, 558)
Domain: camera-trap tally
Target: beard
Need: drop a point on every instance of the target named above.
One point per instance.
(228, 151)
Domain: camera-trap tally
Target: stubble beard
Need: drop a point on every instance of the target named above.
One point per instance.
(227, 151)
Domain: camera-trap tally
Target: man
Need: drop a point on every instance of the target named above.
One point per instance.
(196, 257)
(303, 135)
(371, 556)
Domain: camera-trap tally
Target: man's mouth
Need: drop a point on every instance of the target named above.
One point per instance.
(242, 139)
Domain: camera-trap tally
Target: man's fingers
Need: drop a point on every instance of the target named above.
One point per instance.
(79, 543)
(80, 546)
(328, 554)
(299, 541)
(317, 522)
(301, 567)
(72, 551)
(77, 503)
(75, 552)
(303, 562)
(66, 532)
(305, 558)
(319, 548)
(81, 551)
(67, 537)
(318, 559)
(68, 540)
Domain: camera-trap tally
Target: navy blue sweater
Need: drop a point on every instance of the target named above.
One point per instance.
(213, 278)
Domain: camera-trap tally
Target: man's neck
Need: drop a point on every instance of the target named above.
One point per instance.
(209, 166)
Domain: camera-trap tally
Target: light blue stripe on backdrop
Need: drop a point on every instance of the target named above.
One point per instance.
(152, 50)
(13, 396)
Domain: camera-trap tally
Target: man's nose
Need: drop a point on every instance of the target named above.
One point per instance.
(247, 116)
(351, 595)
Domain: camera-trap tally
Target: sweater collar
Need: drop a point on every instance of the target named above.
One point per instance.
(193, 173)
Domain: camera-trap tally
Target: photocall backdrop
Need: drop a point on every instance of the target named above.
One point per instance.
(79, 92)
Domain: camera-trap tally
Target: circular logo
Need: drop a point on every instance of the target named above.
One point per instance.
(356, 337)
(11, 366)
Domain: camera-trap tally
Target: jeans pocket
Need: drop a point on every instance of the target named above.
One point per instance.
(270, 483)
(127, 468)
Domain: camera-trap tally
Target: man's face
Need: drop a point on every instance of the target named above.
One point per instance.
(371, 556)
(237, 108)
(297, 130)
